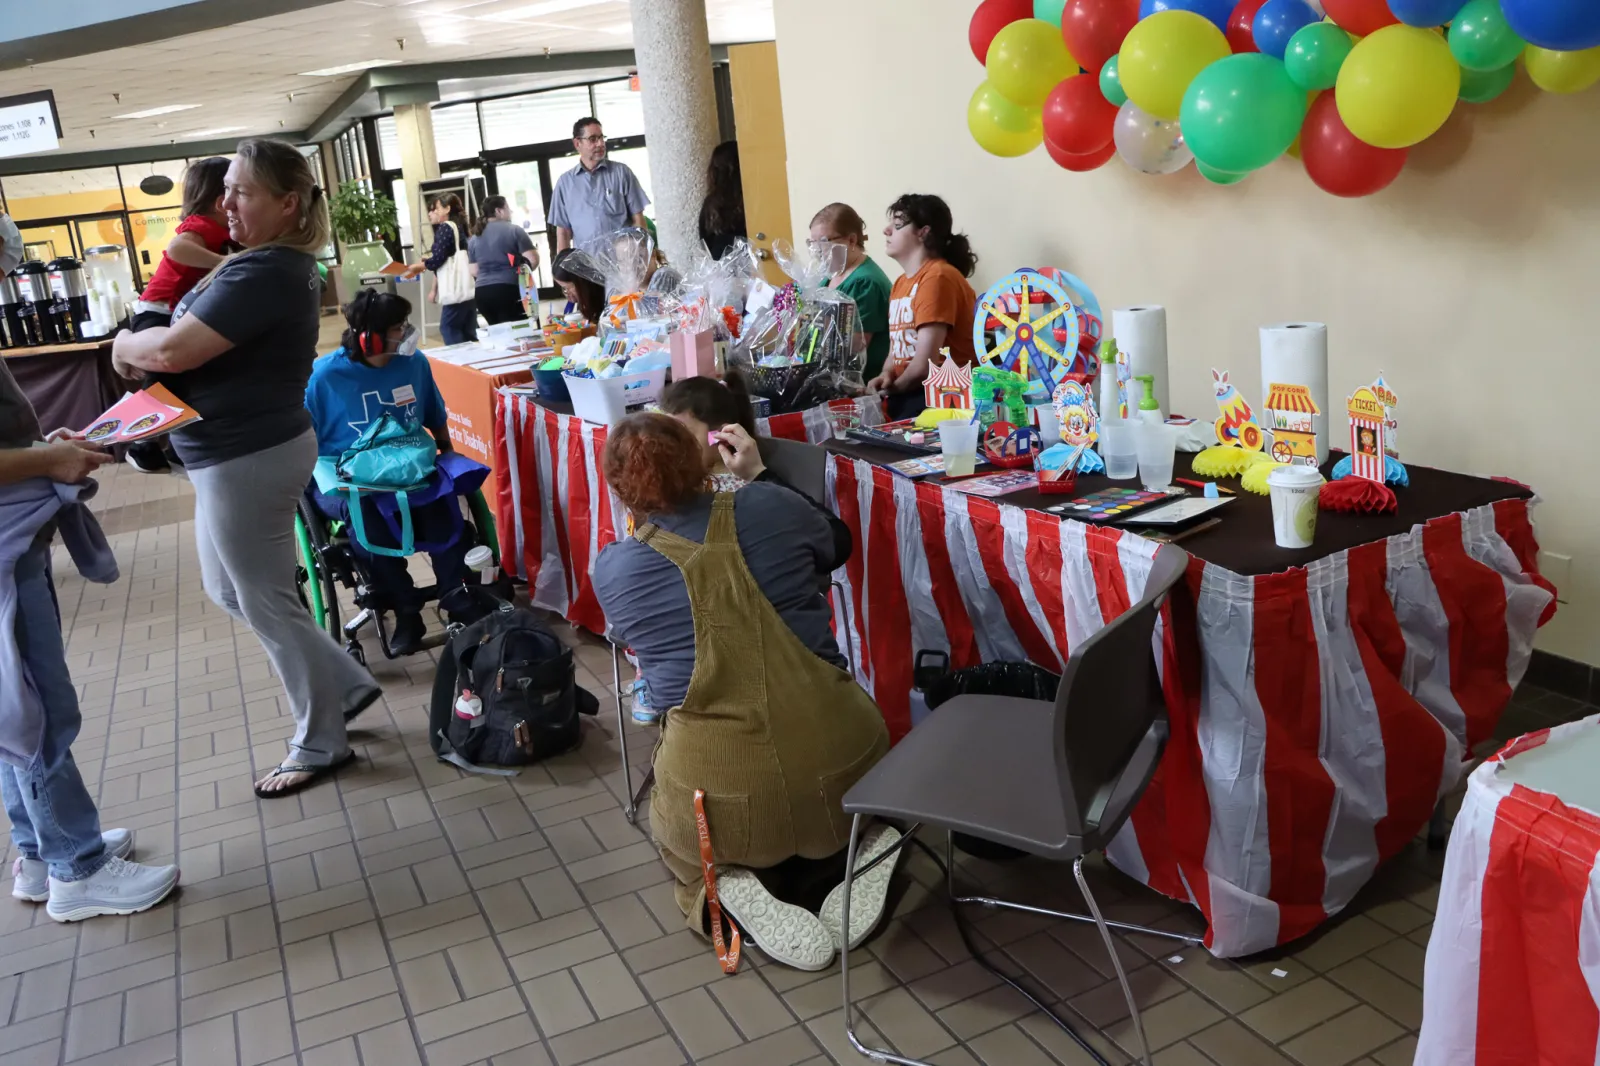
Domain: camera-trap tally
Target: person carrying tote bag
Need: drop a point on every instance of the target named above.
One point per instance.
(452, 288)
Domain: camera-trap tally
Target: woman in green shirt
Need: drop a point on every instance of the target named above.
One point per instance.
(861, 279)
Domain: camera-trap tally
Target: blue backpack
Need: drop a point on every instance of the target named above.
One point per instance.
(391, 455)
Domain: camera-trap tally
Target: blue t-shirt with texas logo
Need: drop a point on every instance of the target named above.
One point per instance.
(344, 396)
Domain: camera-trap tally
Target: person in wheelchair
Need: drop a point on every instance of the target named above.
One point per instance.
(378, 370)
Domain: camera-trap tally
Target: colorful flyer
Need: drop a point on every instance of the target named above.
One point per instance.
(139, 416)
(993, 485)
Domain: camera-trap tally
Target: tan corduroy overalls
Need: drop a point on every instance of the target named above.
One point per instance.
(773, 734)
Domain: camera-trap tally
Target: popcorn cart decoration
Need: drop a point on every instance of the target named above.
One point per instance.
(1294, 438)
(948, 386)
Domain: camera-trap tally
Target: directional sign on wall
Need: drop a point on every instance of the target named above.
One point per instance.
(29, 124)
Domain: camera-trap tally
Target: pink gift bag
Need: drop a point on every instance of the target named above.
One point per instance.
(693, 354)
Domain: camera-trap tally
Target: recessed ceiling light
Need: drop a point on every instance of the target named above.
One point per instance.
(216, 132)
(154, 111)
(348, 68)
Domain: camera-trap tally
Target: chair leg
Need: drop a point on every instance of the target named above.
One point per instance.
(1116, 961)
(843, 617)
(630, 809)
(1438, 828)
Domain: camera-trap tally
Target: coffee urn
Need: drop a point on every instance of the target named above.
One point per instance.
(35, 300)
(12, 334)
(70, 311)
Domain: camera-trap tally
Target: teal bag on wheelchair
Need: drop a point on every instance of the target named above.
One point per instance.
(391, 455)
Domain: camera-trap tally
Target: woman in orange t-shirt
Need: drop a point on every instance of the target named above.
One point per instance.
(931, 305)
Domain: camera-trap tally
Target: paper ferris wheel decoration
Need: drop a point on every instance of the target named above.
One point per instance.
(1026, 338)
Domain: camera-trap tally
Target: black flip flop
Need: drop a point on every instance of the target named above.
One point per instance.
(316, 772)
(362, 704)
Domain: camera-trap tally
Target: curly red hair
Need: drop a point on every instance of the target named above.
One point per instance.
(653, 463)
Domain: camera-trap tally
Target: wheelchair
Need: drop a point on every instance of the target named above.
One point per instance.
(325, 563)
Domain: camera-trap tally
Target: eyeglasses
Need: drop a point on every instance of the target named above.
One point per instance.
(595, 138)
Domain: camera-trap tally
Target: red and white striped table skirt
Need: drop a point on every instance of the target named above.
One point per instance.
(555, 512)
(1513, 972)
(1316, 714)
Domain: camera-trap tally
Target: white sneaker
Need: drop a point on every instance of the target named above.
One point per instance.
(31, 877)
(118, 887)
(870, 892)
(786, 933)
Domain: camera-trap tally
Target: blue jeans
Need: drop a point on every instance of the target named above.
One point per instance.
(53, 817)
(459, 322)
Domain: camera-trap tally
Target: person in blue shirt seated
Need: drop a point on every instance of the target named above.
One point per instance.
(378, 370)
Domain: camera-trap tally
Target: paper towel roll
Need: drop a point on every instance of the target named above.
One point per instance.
(1296, 353)
(1141, 333)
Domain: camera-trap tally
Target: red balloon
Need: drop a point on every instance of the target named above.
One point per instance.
(1241, 35)
(1339, 161)
(1080, 163)
(991, 17)
(1077, 116)
(1360, 17)
(1094, 29)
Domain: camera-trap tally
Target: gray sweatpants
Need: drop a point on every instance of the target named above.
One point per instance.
(244, 529)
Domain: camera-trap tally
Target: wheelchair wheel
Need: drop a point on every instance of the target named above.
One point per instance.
(313, 579)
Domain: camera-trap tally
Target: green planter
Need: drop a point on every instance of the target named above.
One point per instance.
(362, 258)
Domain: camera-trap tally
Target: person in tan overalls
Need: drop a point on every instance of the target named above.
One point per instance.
(772, 733)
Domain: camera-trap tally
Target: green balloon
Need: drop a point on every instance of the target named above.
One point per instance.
(1241, 113)
(1481, 39)
(1049, 10)
(1315, 54)
(1218, 177)
(1111, 83)
(1481, 86)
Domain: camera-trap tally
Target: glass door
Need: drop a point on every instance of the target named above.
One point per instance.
(523, 186)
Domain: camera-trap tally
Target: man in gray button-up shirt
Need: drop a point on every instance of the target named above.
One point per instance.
(597, 196)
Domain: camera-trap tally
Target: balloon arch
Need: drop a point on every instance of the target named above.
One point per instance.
(1348, 86)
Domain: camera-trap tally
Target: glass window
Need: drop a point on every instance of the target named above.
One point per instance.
(519, 184)
(619, 109)
(397, 192)
(534, 118)
(45, 243)
(63, 192)
(134, 173)
(455, 132)
(152, 232)
(388, 143)
(638, 161)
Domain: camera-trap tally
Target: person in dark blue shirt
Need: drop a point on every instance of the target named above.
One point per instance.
(376, 371)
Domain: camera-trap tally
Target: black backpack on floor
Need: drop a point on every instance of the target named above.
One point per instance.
(524, 680)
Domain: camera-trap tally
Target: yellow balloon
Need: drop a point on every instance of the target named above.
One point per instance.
(1162, 54)
(1398, 86)
(1562, 72)
(1001, 127)
(1027, 59)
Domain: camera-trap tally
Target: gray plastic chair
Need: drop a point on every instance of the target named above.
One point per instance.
(805, 466)
(1054, 780)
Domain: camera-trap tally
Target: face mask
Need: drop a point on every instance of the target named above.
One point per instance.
(408, 343)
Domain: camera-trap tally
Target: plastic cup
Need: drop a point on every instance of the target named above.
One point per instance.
(481, 561)
(1294, 490)
(1156, 446)
(1049, 424)
(1120, 449)
(959, 443)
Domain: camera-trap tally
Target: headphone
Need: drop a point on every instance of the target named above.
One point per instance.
(369, 341)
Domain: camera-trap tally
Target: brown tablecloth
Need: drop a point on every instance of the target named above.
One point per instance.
(68, 388)
(1243, 543)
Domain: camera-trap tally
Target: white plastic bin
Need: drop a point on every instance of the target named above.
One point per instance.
(605, 401)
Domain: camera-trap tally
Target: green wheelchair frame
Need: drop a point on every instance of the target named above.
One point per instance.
(323, 562)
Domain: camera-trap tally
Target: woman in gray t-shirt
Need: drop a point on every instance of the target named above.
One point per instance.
(497, 248)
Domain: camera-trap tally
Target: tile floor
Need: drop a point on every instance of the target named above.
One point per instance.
(410, 914)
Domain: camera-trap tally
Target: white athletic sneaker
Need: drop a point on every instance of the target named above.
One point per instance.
(870, 892)
(31, 877)
(786, 933)
(118, 887)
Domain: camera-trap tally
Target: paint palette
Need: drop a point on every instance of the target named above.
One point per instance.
(1109, 505)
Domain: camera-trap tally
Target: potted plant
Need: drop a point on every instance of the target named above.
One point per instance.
(363, 221)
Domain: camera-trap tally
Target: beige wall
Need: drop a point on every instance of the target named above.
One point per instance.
(1472, 282)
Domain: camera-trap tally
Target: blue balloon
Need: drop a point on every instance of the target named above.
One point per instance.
(1279, 20)
(1217, 11)
(1426, 12)
(1559, 25)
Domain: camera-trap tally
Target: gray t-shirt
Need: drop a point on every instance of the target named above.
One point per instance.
(251, 397)
(19, 426)
(593, 203)
(496, 249)
(788, 547)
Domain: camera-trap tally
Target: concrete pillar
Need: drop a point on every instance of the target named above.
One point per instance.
(419, 162)
(673, 48)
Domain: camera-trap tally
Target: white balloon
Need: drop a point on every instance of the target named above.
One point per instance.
(1148, 144)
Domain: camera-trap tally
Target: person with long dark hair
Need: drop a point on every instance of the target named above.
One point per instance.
(198, 245)
(932, 304)
(497, 248)
(722, 211)
(584, 294)
(239, 351)
(458, 322)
